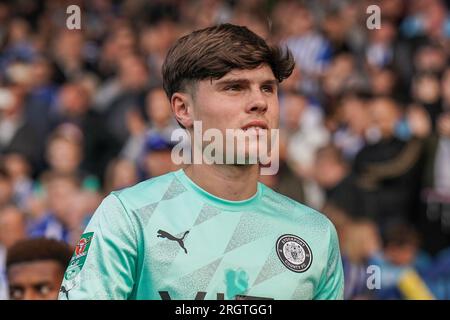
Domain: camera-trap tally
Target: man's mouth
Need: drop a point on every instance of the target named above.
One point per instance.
(256, 125)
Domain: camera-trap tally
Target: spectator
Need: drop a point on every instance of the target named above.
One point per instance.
(401, 253)
(16, 134)
(65, 151)
(12, 230)
(285, 181)
(353, 133)
(40, 99)
(160, 121)
(6, 188)
(445, 89)
(305, 134)
(332, 173)
(121, 173)
(59, 222)
(387, 171)
(427, 92)
(124, 92)
(437, 189)
(312, 52)
(35, 269)
(19, 169)
(157, 156)
(99, 144)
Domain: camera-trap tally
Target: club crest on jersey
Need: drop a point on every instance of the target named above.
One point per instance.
(294, 253)
(81, 247)
(79, 256)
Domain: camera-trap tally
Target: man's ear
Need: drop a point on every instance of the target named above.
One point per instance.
(182, 104)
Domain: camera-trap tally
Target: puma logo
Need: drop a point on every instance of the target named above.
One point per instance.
(164, 234)
(65, 291)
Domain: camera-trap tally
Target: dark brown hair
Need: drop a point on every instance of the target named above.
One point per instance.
(39, 249)
(212, 52)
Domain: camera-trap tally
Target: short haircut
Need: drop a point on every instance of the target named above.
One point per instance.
(212, 52)
(331, 151)
(39, 249)
(67, 132)
(400, 234)
(51, 176)
(4, 174)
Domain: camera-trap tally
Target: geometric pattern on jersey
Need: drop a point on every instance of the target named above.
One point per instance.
(230, 248)
(301, 290)
(248, 231)
(285, 205)
(174, 190)
(146, 212)
(166, 251)
(200, 278)
(271, 268)
(206, 213)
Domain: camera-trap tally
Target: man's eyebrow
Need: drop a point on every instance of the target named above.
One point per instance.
(244, 81)
(272, 82)
(42, 283)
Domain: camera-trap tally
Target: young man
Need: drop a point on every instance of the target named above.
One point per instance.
(35, 268)
(12, 230)
(210, 231)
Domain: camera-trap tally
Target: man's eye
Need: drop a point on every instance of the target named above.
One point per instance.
(233, 88)
(268, 89)
(43, 289)
(16, 293)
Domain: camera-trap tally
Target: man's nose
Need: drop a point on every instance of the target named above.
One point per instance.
(257, 102)
(31, 294)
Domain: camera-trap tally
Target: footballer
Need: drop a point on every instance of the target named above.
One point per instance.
(210, 231)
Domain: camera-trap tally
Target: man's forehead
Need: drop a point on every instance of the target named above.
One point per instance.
(261, 73)
(35, 269)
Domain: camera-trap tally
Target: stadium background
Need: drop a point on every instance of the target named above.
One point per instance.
(365, 121)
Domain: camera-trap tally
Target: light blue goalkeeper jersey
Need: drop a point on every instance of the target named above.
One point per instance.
(166, 238)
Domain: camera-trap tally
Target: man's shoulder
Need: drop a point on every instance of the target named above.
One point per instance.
(146, 192)
(294, 210)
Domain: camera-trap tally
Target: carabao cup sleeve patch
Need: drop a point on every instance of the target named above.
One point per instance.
(79, 256)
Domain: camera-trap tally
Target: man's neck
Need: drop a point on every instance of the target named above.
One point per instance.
(228, 182)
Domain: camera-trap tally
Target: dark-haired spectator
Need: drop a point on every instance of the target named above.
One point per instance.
(60, 221)
(436, 191)
(388, 171)
(400, 256)
(35, 269)
(16, 133)
(380, 50)
(12, 230)
(156, 158)
(120, 173)
(285, 181)
(65, 154)
(6, 188)
(40, 100)
(312, 51)
(445, 90)
(19, 169)
(333, 175)
(306, 133)
(355, 122)
(426, 91)
(98, 144)
(159, 118)
(69, 55)
(124, 92)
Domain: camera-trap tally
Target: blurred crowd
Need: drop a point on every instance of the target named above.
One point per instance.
(365, 126)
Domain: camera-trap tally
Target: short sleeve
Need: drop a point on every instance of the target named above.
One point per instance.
(103, 265)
